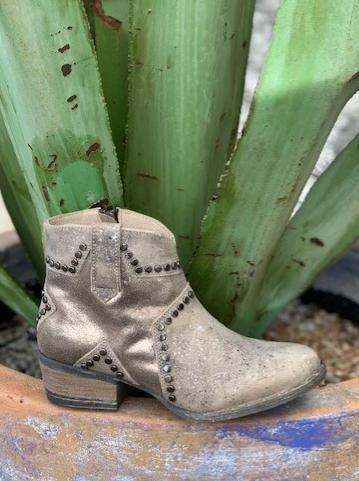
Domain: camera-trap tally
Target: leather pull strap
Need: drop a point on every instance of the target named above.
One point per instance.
(105, 265)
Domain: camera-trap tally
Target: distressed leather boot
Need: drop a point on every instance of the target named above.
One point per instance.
(117, 311)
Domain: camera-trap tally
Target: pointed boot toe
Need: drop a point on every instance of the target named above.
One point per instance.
(117, 311)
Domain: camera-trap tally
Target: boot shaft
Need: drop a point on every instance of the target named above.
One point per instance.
(104, 276)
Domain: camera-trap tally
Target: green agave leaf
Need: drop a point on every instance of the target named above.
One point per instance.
(53, 108)
(110, 26)
(18, 201)
(325, 226)
(187, 66)
(16, 297)
(309, 75)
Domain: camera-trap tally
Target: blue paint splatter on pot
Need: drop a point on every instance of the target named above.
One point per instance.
(304, 434)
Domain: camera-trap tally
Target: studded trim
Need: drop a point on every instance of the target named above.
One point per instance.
(96, 357)
(161, 334)
(46, 307)
(103, 359)
(75, 264)
(139, 268)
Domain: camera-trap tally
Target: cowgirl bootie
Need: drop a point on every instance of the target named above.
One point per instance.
(117, 310)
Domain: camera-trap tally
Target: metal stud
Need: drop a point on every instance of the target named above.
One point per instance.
(168, 378)
(103, 352)
(119, 374)
(172, 397)
(129, 255)
(180, 307)
(160, 327)
(47, 260)
(52, 263)
(158, 268)
(171, 389)
(165, 357)
(191, 294)
(78, 254)
(44, 299)
(163, 337)
(138, 270)
(186, 300)
(57, 265)
(134, 262)
(83, 247)
(75, 262)
(96, 357)
(123, 247)
(148, 269)
(178, 264)
(64, 268)
(89, 363)
(108, 360)
(174, 265)
(48, 307)
(83, 365)
(72, 270)
(43, 311)
(166, 368)
(168, 320)
(167, 267)
(175, 313)
(164, 347)
(114, 368)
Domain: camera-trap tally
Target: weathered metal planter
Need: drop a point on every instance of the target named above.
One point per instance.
(315, 438)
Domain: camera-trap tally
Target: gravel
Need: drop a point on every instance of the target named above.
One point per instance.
(335, 339)
(18, 347)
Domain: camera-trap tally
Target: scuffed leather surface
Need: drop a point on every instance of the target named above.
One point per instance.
(215, 369)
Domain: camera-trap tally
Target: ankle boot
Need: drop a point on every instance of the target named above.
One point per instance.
(117, 311)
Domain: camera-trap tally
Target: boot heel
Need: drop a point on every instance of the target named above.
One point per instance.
(71, 388)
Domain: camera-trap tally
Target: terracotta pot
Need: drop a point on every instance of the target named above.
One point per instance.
(314, 438)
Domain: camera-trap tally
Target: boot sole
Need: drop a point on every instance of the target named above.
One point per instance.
(71, 386)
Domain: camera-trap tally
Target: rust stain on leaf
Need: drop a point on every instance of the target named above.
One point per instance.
(93, 148)
(318, 242)
(46, 194)
(66, 69)
(53, 161)
(109, 21)
(72, 98)
(299, 262)
(64, 48)
(148, 176)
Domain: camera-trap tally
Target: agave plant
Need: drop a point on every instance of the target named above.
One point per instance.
(136, 103)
